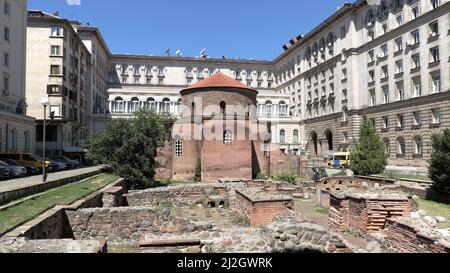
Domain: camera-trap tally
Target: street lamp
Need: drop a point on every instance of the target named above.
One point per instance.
(44, 103)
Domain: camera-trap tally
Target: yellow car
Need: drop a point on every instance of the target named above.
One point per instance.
(27, 159)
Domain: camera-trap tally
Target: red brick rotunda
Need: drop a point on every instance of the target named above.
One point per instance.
(218, 130)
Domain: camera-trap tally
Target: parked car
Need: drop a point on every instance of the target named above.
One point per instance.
(27, 159)
(30, 169)
(5, 172)
(72, 164)
(16, 171)
(57, 166)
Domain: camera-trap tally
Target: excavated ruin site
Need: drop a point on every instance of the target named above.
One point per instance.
(234, 216)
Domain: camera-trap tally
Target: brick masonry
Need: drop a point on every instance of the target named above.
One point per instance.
(406, 236)
(259, 207)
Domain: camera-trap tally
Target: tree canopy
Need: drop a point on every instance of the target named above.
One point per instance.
(439, 170)
(129, 147)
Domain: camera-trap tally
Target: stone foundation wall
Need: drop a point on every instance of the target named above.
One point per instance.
(175, 195)
(113, 197)
(298, 237)
(184, 195)
(125, 223)
(405, 237)
(343, 183)
(52, 246)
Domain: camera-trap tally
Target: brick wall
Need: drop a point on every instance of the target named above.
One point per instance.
(339, 211)
(260, 212)
(405, 237)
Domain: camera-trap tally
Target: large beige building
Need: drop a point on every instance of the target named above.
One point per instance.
(58, 68)
(388, 58)
(17, 130)
(97, 95)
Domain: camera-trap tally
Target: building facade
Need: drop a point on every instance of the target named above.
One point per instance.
(389, 59)
(17, 130)
(97, 110)
(58, 68)
(155, 82)
(386, 58)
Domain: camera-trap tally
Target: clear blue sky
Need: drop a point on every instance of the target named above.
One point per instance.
(235, 28)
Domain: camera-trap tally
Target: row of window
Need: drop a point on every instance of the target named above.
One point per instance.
(12, 145)
(416, 87)
(289, 69)
(401, 146)
(417, 119)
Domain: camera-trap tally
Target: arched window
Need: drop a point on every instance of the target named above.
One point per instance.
(418, 146)
(401, 146)
(322, 44)
(370, 19)
(223, 107)
(193, 110)
(134, 105)
(282, 137)
(179, 108)
(283, 109)
(315, 50)
(118, 105)
(267, 148)
(330, 40)
(228, 137)
(383, 10)
(165, 106)
(387, 145)
(296, 139)
(150, 104)
(178, 147)
(308, 53)
(268, 109)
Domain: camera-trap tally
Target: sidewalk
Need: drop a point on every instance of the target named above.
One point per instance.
(14, 189)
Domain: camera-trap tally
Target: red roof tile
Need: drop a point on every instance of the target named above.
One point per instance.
(218, 80)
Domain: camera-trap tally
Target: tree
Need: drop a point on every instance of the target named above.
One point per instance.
(129, 146)
(439, 170)
(369, 155)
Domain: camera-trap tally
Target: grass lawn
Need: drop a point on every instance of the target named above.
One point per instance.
(64, 195)
(435, 209)
(405, 176)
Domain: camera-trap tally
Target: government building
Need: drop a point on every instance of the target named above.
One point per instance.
(17, 128)
(389, 59)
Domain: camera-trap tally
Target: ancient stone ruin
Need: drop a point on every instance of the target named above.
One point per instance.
(229, 217)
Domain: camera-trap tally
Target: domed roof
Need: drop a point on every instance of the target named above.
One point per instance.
(218, 80)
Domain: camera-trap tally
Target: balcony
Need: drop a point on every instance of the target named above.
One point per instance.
(433, 37)
(434, 64)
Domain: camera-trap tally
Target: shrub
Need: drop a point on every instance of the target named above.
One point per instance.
(288, 177)
(369, 156)
(262, 176)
